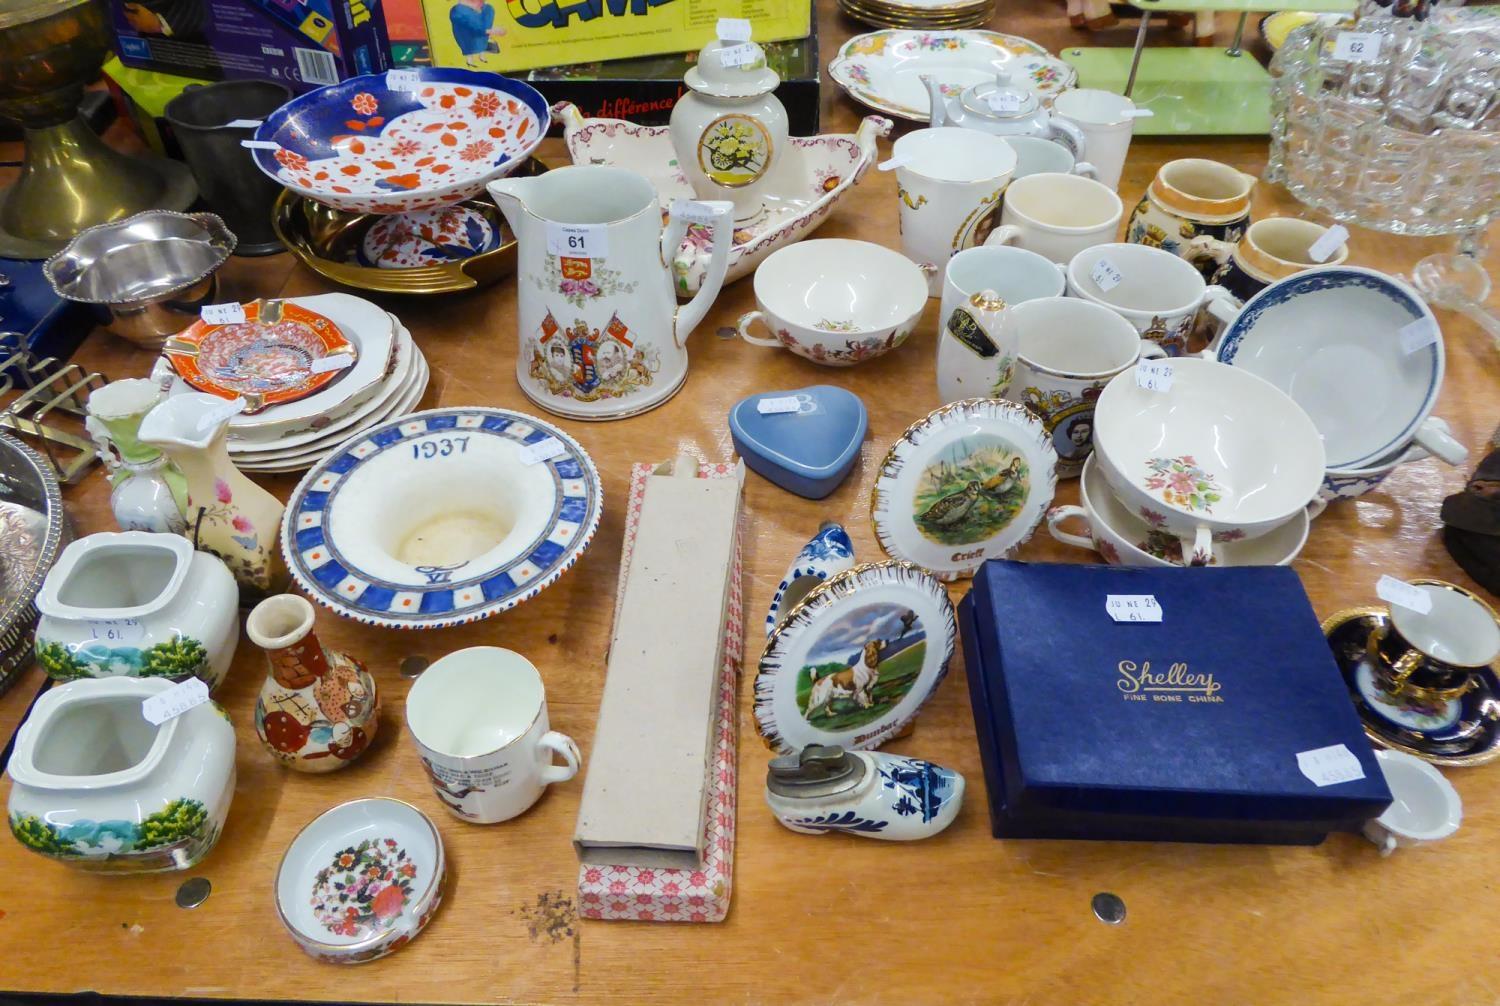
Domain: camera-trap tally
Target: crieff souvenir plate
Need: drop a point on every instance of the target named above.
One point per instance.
(361, 880)
(281, 352)
(884, 69)
(403, 140)
(1450, 732)
(855, 660)
(442, 517)
(968, 482)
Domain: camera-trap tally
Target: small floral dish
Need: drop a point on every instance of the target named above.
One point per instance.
(281, 352)
(816, 173)
(835, 301)
(1449, 732)
(884, 69)
(968, 482)
(361, 881)
(1218, 455)
(369, 146)
(854, 662)
(441, 518)
(426, 237)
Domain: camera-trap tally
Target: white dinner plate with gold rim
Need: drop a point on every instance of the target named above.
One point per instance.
(968, 482)
(394, 382)
(883, 69)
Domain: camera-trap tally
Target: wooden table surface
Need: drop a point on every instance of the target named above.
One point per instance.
(959, 918)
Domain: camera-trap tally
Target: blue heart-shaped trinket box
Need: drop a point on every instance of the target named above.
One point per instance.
(809, 451)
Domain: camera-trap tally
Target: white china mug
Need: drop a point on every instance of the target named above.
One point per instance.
(479, 717)
(949, 181)
(1057, 216)
(968, 367)
(1037, 155)
(1426, 807)
(1157, 292)
(1107, 122)
(1068, 349)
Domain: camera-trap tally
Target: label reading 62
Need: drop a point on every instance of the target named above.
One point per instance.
(440, 447)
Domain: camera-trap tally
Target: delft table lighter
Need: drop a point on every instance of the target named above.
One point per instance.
(826, 789)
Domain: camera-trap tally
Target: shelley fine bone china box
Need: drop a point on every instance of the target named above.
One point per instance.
(301, 43)
(1226, 721)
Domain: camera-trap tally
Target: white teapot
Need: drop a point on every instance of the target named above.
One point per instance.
(998, 107)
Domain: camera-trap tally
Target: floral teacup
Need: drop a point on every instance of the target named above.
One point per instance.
(836, 302)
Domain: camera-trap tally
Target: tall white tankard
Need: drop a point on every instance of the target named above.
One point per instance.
(601, 335)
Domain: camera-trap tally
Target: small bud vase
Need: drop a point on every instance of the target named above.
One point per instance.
(318, 709)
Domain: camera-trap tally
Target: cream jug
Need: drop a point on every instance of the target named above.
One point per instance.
(601, 335)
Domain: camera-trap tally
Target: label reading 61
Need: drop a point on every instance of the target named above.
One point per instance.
(577, 240)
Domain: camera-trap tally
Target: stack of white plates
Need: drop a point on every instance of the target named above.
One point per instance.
(386, 382)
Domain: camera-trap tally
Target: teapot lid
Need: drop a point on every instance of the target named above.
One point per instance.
(731, 70)
(1000, 99)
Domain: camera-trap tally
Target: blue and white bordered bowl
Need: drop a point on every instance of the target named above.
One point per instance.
(440, 518)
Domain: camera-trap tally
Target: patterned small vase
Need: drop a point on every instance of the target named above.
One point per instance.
(318, 709)
(227, 514)
(150, 493)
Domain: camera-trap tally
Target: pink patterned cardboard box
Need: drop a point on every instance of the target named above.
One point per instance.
(674, 895)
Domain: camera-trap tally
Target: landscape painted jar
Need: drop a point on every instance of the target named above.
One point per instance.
(149, 492)
(97, 786)
(318, 709)
(1190, 198)
(140, 605)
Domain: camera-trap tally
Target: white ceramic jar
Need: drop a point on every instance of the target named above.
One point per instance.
(97, 786)
(137, 604)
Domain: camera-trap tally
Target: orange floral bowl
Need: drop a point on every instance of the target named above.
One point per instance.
(361, 880)
(403, 140)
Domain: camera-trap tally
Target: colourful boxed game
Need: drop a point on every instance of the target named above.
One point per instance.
(303, 43)
(507, 35)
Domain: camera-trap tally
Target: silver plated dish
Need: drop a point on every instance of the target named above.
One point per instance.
(33, 527)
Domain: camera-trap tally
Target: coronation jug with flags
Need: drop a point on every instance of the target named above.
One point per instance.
(601, 335)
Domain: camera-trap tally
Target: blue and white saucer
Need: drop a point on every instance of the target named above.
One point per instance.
(441, 517)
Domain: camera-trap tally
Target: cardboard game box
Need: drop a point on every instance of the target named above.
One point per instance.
(303, 43)
(509, 35)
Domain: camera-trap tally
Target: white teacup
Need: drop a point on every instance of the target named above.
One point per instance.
(1057, 215)
(970, 368)
(1425, 808)
(949, 182)
(1068, 349)
(1107, 127)
(1037, 155)
(1157, 292)
(479, 717)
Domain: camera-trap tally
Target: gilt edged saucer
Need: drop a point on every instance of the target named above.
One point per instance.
(1451, 732)
(968, 482)
(441, 517)
(854, 662)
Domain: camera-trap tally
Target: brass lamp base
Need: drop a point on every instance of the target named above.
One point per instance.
(70, 181)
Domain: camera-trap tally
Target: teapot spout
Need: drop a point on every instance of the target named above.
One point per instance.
(938, 116)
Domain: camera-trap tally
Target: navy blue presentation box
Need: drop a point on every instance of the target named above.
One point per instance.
(1186, 730)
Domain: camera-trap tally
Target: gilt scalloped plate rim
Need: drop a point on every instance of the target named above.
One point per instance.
(1010, 415)
(864, 94)
(324, 596)
(805, 616)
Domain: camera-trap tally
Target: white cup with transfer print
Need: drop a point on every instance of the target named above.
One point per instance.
(479, 717)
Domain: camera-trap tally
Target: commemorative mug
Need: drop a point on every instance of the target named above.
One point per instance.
(949, 182)
(479, 717)
(1107, 122)
(1189, 198)
(1432, 656)
(1270, 249)
(974, 360)
(1157, 292)
(1067, 350)
(1036, 155)
(1057, 215)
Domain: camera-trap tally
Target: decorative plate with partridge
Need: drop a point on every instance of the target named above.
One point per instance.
(966, 483)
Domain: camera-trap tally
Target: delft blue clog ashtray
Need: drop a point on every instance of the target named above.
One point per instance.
(808, 452)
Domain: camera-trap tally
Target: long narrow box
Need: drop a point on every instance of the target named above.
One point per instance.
(646, 790)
